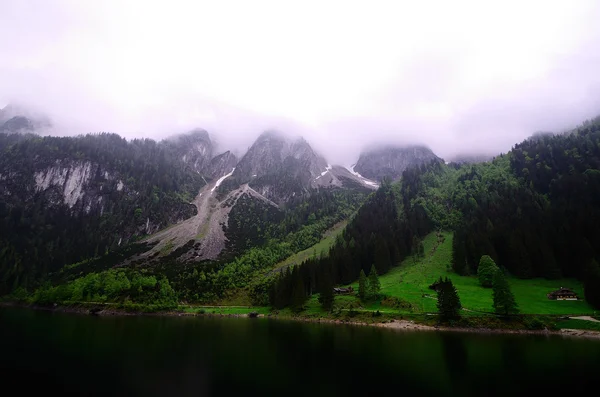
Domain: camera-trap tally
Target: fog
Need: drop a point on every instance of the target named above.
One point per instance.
(458, 76)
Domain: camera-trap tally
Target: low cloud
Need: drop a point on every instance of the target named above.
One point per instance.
(460, 77)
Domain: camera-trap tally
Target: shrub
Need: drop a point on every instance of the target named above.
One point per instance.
(486, 270)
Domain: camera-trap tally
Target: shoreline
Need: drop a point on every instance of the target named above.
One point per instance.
(392, 324)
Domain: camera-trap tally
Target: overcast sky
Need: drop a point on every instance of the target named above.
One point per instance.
(459, 76)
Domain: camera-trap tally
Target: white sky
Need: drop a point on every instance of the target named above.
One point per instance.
(459, 76)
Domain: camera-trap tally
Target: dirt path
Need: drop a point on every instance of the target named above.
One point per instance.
(586, 318)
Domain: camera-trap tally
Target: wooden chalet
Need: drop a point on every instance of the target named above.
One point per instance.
(563, 294)
(348, 290)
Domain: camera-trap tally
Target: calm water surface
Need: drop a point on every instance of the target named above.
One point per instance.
(45, 352)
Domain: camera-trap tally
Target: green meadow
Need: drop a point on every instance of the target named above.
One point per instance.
(410, 282)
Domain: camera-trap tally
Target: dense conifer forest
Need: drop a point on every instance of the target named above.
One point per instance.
(39, 235)
(535, 211)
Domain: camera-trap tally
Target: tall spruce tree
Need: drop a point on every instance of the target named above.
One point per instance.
(448, 301)
(504, 300)
(591, 284)
(326, 297)
(298, 296)
(362, 285)
(374, 285)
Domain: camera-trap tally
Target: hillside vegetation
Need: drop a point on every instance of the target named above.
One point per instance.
(534, 211)
(410, 282)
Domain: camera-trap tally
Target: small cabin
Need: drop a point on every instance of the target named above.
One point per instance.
(563, 294)
(348, 290)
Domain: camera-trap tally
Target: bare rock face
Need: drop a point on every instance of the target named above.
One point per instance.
(471, 158)
(18, 119)
(279, 168)
(220, 165)
(194, 148)
(390, 162)
(17, 124)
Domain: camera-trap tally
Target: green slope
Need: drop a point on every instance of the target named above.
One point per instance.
(410, 282)
(321, 248)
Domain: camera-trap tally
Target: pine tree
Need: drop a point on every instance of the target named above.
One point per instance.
(362, 285)
(374, 286)
(298, 296)
(382, 255)
(504, 300)
(448, 301)
(591, 284)
(326, 297)
(486, 270)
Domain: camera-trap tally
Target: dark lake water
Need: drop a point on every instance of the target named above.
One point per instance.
(45, 352)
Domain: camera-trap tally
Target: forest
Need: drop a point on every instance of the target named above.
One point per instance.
(534, 210)
(39, 236)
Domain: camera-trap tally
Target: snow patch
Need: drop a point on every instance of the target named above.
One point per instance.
(221, 179)
(120, 186)
(327, 169)
(363, 179)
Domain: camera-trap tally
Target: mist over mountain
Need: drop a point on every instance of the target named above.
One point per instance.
(391, 161)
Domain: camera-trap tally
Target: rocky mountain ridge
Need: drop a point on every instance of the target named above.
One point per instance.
(120, 191)
(391, 161)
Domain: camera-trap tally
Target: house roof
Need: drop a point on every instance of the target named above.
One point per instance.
(563, 291)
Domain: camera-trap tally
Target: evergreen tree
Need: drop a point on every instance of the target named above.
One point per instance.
(382, 255)
(362, 285)
(282, 290)
(448, 301)
(326, 297)
(591, 284)
(504, 300)
(298, 296)
(373, 286)
(486, 270)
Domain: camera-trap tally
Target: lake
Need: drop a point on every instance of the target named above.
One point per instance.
(47, 352)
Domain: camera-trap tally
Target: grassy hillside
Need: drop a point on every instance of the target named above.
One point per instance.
(320, 248)
(410, 281)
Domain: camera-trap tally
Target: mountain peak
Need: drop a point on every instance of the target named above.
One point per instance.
(391, 160)
(194, 148)
(17, 118)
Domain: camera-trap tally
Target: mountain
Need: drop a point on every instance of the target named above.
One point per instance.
(194, 148)
(81, 197)
(19, 119)
(533, 210)
(466, 158)
(17, 124)
(220, 165)
(65, 199)
(390, 162)
(280, 169)
(216, 229)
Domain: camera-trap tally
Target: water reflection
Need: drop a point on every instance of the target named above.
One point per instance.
(45, 352)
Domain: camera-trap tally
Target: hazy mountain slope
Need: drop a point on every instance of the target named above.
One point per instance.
(534, 210)
(391, 161)
(280, 169)
(66, 199)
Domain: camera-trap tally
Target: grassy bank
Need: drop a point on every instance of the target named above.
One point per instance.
(409, 283)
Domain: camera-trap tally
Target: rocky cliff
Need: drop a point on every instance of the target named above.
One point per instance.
(392, 161)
